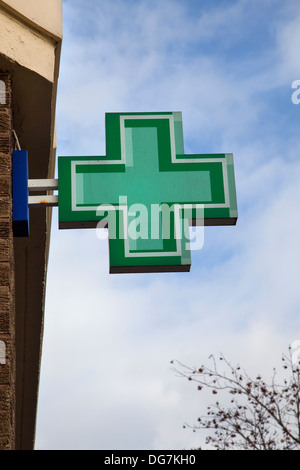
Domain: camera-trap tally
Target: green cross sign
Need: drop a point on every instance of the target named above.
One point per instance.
(148, 192)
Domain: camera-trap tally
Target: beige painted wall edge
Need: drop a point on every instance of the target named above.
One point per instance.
(26, 46)
(45, 15)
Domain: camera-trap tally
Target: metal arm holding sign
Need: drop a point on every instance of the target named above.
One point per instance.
(42, 186)
(145, 190)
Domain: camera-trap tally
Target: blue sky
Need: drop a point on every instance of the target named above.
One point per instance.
(106, 380)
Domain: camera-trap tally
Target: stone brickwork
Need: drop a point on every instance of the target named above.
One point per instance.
(7, 291)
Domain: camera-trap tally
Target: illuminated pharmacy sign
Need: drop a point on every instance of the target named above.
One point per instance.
(147, 192)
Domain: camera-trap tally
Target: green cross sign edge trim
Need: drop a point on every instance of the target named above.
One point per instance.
(147, 192)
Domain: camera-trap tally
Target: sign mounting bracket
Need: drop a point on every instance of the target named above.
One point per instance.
(42, 185)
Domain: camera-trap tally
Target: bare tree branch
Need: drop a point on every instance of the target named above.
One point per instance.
(260, 416)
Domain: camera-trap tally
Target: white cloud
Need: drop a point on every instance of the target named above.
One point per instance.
(288, 38)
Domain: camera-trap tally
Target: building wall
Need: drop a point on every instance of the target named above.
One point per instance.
(29, 30)
(44, 14)
(30, 45)
(7, 283)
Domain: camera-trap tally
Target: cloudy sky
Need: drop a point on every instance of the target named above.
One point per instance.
(106, 379)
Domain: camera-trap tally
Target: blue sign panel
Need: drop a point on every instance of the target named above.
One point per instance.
(20, 194)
